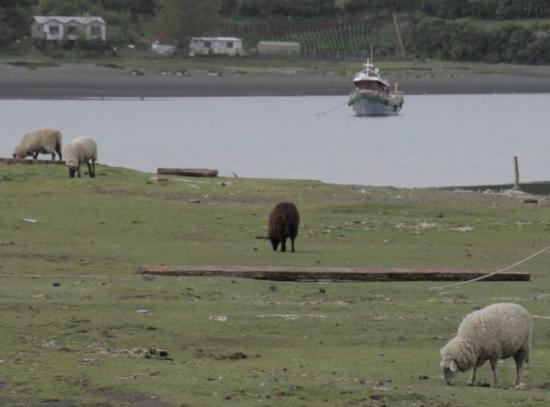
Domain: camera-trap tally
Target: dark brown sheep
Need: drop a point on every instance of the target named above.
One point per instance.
(283, 223)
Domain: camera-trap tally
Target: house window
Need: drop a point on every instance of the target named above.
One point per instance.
(71, 30)
(95, 30)
(230, 44)
(207, 44)
(54, 30)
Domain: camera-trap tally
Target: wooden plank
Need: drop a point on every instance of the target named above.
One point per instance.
(29, 161)
(332, 273)
(188, 172)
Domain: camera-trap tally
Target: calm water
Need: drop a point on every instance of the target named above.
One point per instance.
(437, 140)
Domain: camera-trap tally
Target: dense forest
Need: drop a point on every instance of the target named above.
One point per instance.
(477, 30)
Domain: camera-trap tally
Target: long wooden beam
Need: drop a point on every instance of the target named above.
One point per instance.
(30, 161)
(332, 273)
(188, 172)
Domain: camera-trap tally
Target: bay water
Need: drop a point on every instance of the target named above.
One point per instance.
(447, 140)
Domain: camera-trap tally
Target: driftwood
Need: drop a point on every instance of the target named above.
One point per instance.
(331, 273)
(27, 161)
(188, 172)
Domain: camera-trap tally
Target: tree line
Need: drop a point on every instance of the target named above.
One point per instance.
(465, 40)
(16, 15)
(454, 9)
(449, 9)
(441, 28)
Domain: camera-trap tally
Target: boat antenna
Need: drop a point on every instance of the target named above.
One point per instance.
(371, 53)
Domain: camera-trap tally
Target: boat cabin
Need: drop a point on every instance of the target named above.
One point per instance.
(375, 86)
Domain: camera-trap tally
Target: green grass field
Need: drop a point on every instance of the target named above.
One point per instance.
(150, 62)
(80, 327)
(147, 62)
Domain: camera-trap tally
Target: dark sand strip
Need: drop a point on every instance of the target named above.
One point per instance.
(80, 81)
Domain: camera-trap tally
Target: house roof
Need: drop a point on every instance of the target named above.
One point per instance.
(215, 39)
(66, 19)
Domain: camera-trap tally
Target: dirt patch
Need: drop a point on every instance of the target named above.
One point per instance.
(112, 398)
(200, 353)
(134, 353)
(32, 65)
(134, 399)
(544, 386)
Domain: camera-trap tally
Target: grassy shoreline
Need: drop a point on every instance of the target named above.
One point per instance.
(148, 62)
(80, 326)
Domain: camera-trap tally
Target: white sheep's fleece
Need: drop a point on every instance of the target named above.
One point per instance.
(79, 151)
(495, 332)
(41, 140)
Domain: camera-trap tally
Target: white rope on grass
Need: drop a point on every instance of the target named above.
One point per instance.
(493, 273)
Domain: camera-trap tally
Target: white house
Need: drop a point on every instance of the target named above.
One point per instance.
(68, 28)
(216, 46)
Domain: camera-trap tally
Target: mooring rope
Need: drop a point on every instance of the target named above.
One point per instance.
(493, 273)
(331, 110)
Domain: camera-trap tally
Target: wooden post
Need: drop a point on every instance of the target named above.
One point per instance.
(516, 174)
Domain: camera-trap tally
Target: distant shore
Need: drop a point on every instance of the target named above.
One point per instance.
(86, 81)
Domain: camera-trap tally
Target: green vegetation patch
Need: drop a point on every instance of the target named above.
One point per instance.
(81, 327)
(33, 64)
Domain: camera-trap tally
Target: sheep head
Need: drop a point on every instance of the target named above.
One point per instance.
(72, 167)
(275, 242)
(450, 368)
(20, 153)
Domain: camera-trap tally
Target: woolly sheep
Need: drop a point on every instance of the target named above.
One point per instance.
(40, 141)
(79, 151)
(283, 223)
(498, 331)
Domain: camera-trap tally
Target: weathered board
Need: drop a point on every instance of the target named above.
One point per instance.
(30, 161)
(188, 172)
(332, 273)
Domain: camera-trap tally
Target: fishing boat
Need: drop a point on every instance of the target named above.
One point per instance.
(372, 95)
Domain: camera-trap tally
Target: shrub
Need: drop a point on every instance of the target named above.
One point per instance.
(464, 40)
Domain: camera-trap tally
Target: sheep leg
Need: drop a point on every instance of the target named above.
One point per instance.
(90, 171)
(283, 244)
(495, 376)
(58, 149)
(78, 171)
(472, 379)
(292, 243)
(93, 168)
(520, 359)
(519, 374)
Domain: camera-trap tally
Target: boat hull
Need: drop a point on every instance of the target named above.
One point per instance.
(366, 105)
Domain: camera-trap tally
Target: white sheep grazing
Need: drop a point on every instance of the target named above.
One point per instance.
(498, 331)
(40, 141)
(79, 151)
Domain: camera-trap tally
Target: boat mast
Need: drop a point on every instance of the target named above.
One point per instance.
(371, 53)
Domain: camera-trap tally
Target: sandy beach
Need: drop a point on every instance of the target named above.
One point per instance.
(82, 81)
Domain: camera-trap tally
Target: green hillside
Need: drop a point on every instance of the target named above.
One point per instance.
(511, 31)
